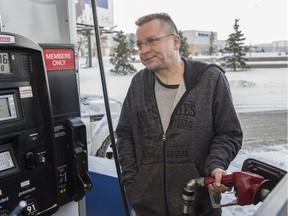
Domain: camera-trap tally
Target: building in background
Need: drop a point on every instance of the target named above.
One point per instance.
(199, 41)
(275, 46)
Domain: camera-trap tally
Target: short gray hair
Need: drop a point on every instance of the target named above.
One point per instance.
(164, 18)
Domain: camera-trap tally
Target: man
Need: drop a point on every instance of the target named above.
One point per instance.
(177, 123)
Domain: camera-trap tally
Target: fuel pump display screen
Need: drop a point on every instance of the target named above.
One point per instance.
(5, 66)
(7, 107)
(4, 108)
(6, 161)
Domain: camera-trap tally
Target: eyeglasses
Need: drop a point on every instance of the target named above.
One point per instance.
(151, 41)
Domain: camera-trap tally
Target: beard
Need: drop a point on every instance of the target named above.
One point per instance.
(155, 64)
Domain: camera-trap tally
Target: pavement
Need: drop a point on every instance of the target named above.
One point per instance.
(264, 128)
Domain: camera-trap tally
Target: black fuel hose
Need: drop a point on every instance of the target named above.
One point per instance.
(107, 107)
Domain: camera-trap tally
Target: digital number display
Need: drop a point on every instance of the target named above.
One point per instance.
(6, 161)
(7, 107)
(4, 108)
(5, 66)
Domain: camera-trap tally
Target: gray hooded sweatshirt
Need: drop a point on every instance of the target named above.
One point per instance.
(204, 133)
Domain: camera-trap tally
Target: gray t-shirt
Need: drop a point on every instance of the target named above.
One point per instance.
(167, 96)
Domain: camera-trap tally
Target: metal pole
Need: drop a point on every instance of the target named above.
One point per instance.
(106, 100)
(89, 49)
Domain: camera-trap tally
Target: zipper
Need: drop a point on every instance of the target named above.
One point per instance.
(164, 156)
(164, 139)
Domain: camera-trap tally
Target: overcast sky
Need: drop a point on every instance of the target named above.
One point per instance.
(261, 21)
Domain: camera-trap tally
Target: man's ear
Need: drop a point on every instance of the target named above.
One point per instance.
(177, 41)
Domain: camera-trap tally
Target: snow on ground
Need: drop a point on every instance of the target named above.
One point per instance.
(259, 89)
(252, 90)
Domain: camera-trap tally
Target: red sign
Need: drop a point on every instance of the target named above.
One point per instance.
(59, 59)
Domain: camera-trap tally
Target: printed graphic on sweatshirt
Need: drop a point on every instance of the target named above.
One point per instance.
(155, 155)
(148, 120)
(185, 115)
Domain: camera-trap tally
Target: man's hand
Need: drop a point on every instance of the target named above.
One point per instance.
(216, 186)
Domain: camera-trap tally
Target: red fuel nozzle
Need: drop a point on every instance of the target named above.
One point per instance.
(248, 186)
(249, 189)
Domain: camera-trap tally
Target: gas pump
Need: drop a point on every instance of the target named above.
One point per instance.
(43, 158)
(27, 147)
(70, 132)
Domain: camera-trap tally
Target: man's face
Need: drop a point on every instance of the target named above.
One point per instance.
(156, 46)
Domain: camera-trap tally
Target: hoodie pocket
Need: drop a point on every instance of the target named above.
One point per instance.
(146, 192)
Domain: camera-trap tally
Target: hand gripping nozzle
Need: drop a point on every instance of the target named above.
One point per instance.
(249, 189)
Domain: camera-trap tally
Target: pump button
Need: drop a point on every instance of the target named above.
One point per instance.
(30, 160)
(33, 137)
(42, 158)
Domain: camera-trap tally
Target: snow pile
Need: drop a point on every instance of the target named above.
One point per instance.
(241, 83)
